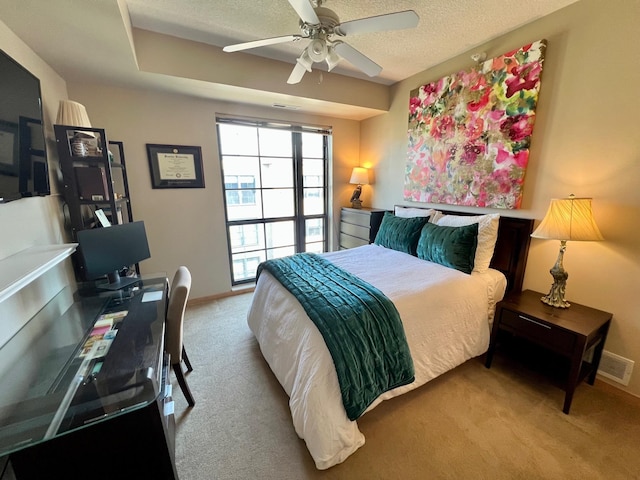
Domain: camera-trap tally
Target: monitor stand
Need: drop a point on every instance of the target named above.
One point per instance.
(116, 282)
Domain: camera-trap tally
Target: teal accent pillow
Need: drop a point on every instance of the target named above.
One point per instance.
(400, 233)
(453, 247)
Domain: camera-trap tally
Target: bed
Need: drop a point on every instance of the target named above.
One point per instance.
(446, 314)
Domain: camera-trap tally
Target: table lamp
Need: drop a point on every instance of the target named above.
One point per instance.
(73, 114)
(359, 176)
(567, 219)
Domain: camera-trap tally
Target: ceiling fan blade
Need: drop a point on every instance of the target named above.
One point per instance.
(296, 74)
(389, 21)
(261, 43)
(305, 11)
(303, 64)
(357, 59)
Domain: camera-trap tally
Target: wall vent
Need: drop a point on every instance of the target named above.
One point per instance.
(285, 106)
(615, 367)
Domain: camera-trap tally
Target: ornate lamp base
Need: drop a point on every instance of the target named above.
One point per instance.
(357, 203)
(555, 297)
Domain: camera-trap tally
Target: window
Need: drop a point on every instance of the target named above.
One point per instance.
(239, 190)
(275, 191)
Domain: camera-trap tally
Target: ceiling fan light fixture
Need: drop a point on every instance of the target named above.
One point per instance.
(317, 50)
(332, 58)
(305, 61)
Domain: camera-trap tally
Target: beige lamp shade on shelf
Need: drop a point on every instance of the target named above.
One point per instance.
(567, 219)
(73, 114)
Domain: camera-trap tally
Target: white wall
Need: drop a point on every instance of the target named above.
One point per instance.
(33, 221)
(585, 142)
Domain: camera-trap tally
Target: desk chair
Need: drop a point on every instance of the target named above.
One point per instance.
(173, 334)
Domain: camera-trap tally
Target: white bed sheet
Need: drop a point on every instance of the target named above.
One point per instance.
(446, 315)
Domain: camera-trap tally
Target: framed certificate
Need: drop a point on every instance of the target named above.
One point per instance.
(175, 166)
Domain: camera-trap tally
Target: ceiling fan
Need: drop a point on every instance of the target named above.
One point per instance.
(321, 25)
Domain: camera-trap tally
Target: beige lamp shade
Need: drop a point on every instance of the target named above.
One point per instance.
(569, 219)
(359, 176)
(73, 114)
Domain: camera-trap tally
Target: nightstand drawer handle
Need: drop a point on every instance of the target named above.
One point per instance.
(533, 321)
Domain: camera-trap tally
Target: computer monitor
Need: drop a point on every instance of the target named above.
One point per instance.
(107, 250)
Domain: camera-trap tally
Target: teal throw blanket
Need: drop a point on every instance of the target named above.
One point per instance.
(360, 325)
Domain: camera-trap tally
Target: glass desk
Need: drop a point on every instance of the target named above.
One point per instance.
(67, 380)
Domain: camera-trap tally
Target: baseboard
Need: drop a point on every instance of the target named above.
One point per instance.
(232, 293)
(614, 388)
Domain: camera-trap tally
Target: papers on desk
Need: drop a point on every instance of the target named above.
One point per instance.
(102, 335)
(112, 317)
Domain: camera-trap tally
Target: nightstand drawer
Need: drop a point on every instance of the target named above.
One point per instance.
(539, 332)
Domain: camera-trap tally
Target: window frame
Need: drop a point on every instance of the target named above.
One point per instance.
(299, 218)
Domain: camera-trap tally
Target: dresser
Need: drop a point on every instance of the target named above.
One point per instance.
(359, 226)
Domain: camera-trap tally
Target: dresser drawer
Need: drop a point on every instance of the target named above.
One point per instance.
(347, 241)
(355, 230)
(362, 219)
(546, 335)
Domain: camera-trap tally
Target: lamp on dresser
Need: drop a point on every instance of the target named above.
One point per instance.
(359, 177)
(567, 219)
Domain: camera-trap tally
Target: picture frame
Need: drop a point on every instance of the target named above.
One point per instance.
(175, 166)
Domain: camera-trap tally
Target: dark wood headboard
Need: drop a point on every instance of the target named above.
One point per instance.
(512, 247)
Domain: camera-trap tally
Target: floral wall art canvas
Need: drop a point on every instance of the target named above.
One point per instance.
(469, 133)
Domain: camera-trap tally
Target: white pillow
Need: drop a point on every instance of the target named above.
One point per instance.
(410, 212)
(436, 216)
(487, 235)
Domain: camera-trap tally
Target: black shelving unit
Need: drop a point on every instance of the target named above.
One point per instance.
(95, 178)
(119, 176)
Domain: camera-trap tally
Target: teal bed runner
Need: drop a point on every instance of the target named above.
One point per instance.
(359, 324)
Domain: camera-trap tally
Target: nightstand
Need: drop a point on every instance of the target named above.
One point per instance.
(571, 333)
(359, 226)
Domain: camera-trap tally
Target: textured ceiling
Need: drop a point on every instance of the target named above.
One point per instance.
(446, 28)
(92, 41)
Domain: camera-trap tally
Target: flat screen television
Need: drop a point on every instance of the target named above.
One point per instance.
(23, 154)
(107, 250)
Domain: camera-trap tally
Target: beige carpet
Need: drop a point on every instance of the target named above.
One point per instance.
(471, 423)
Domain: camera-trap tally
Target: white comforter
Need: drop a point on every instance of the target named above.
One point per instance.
(445, 313)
